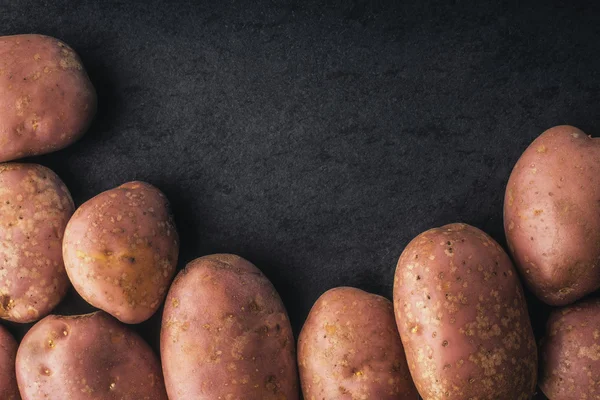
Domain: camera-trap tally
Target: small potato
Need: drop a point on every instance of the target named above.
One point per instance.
(47, 99)
(462, 317)
(552, 215)
(226, 335)
(570, 353)
(121, 250)
(8, 379)
(87, 357)
(349, 348)
(35, 206)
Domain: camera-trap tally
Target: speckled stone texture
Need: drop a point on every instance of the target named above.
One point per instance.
(317, 140)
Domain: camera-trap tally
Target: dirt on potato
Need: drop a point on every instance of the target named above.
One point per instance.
(47, 99)
(8, 354)
(226, 334)
(570, 353)
(35, 207)
(349, 348)
(87, 357)
(552, 215)
(121, 250)
(462, 317)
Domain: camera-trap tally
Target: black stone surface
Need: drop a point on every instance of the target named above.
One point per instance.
(316, 138)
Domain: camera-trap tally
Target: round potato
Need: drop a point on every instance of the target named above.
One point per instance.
(226, 335)
(570, 353)
(35, 207)
(462, 317)
(349, 348)
(47, 99)
(87, 357)
(552, 215)
(8, 379)
(121, 250)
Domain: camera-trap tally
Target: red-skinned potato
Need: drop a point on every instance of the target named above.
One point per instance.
(462, 317)
(35, 206)
(47, 99)
(8, 379)
(87, 357)
(570, 353)
(552, 215)
(121, 249)
(226, 334)
(349, 348)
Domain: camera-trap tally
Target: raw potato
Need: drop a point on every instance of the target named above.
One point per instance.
(552, 215)
(462, 317)
(570, 353)
(121, 250)
(47, 99)
(8, 379)
(349, 348)
(226, 335)
(35, 207)
(87, 357)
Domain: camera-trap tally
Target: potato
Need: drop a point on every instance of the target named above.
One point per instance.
(121, 250)
(47, 99)
(226, 335)
(90, 356)
(35, 206)
(462, 317)
(552, 215)
(8, 379)
(570, 353)
(349, 348)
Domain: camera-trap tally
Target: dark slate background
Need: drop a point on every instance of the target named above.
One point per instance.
(316, 138)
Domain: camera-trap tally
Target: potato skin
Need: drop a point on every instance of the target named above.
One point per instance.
(35, 207)
(47, 99)
(121, 249)
(226, 334)
(552, 215)
(462, 317)
(8, 379)
(87, 357)
(349, 348)
(570, 353)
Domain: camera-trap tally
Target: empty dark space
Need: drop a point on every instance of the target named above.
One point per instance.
(316, 139)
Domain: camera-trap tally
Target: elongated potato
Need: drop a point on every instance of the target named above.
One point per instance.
(349, 348)
(552, 215)
(121, 250)
(570, 353)
(462, 317)
(47, 99)
(35, 206)
(8, 379)
(226, 335)
(87, 357)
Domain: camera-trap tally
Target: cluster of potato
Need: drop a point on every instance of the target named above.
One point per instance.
(458, 327)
